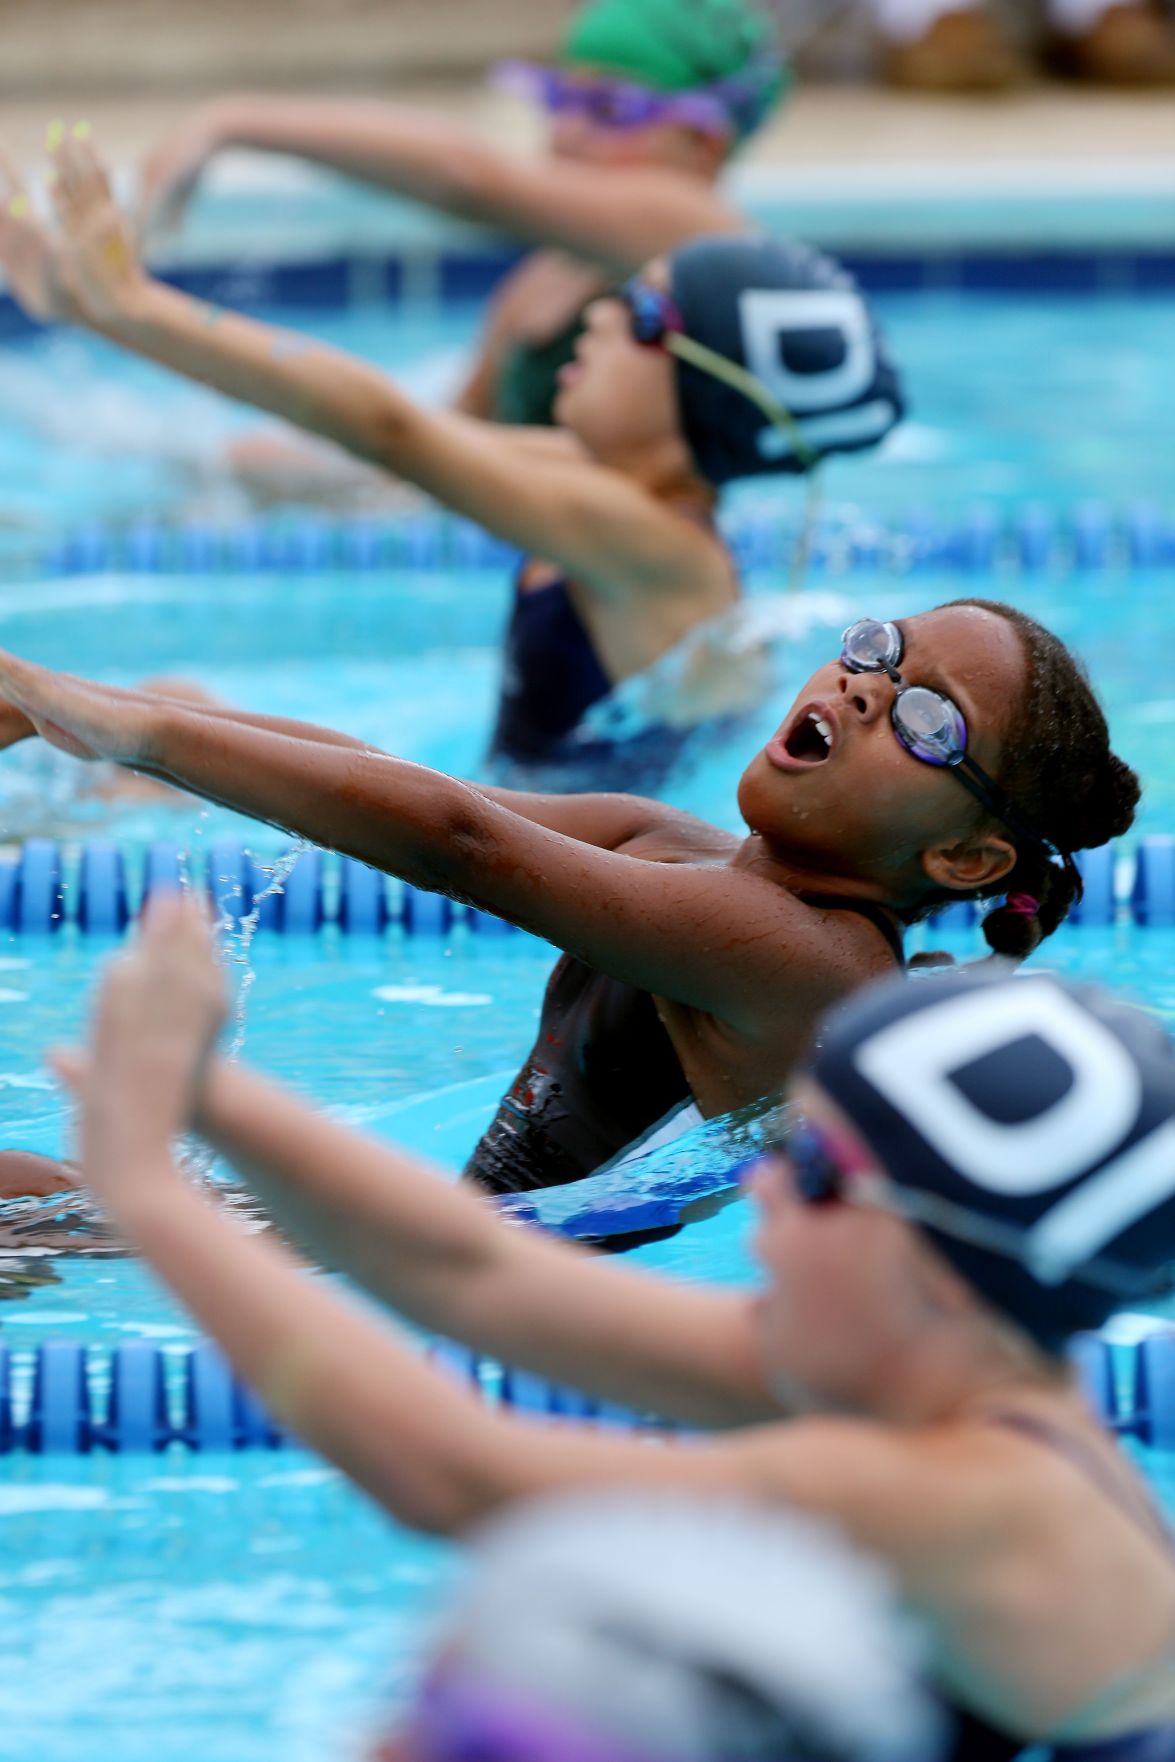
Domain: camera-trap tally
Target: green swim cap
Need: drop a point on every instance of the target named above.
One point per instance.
(679, 45)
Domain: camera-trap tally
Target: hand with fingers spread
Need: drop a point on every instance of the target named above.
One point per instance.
(31, 257)
(81, 719)
(159, 1012)
(100, 258)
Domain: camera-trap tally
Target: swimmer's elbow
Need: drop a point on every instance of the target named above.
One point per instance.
(387, 433)
(459, 845)
(452, 1495)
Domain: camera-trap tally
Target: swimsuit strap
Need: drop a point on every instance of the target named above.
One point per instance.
(1143, 1512)
(878, 915)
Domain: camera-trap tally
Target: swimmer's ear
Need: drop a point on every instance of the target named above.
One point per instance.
(69, 1065)
(982, 861)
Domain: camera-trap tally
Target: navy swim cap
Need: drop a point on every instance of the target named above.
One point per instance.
(1031, 1114)
(796, 320)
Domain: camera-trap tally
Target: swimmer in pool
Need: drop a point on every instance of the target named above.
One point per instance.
(957, 754)
(982, 1167)
(627, 1627)
(686, 379)
(648, 103)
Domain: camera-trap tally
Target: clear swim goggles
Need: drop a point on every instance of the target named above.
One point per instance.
(931, 727)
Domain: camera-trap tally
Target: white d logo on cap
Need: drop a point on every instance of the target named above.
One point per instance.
(767, 314)
(911, 1064)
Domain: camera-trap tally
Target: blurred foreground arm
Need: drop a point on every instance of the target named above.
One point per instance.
(442, 1256)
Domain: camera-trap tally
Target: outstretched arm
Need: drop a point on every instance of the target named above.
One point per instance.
(610, 821)
(605, 529)
(616, 218)
(721, 938)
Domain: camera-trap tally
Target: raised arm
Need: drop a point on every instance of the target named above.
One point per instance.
(617, 218)
(603, 528)
(443, 1257)
(710, 935)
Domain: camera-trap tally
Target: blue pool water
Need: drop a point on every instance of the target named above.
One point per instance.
(254, 1606)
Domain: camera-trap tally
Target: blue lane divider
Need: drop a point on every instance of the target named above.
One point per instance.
(1153, 897)
(1153, 1396)
(158, 1398)
(41, 890)
(1033, 538)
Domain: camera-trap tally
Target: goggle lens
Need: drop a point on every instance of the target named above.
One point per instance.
(869, 646)
(929, 725)
(651, 313)
(817, 1177)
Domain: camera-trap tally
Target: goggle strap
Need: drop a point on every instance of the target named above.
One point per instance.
(995, 799)
(806, 541)
(932, 1211)
(740, 379)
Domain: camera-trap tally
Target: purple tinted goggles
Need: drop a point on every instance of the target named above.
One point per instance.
(614, 104)
(931, 727)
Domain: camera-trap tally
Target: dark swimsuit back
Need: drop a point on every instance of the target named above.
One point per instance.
(551, 677)
(978, 1741)
(602, 1074)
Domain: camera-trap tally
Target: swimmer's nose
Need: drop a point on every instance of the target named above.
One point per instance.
(570, 136)
(868, 695)
(602, 313)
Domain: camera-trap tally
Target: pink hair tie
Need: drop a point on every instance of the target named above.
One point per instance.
(1022, 904)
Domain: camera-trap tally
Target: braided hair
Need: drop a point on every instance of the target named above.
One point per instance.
(1059, 769)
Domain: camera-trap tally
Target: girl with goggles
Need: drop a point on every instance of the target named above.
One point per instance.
(695, 960)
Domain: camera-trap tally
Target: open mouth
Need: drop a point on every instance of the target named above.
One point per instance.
(810, 738)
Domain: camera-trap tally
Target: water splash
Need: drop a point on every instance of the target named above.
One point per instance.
(236, 932)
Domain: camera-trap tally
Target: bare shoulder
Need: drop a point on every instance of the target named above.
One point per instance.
(928, 1499)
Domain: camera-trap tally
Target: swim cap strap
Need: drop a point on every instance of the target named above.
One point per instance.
(741, 379)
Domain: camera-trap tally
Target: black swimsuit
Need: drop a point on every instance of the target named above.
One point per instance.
(602, 1073)
(551, 677)
(976, 1740)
